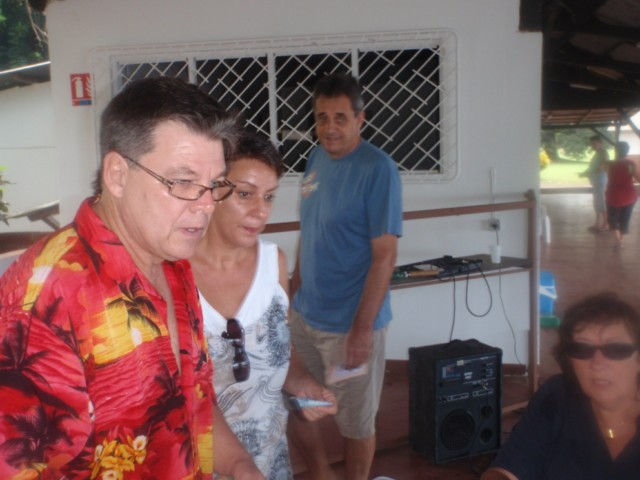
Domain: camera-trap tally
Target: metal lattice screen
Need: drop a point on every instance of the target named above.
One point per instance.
(404, 92)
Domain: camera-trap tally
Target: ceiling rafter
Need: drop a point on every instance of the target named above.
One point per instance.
(591, 58)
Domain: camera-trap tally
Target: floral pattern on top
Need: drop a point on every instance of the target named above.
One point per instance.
(254, 408)
(89, 385)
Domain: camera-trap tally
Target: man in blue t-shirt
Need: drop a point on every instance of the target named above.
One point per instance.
(350, 221)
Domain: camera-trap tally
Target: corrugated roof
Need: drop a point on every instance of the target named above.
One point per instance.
(27, 75)
(597, 117)
(591, 59)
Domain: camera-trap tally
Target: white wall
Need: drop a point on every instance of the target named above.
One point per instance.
(27, 152)
(629, 136)
(498, 81)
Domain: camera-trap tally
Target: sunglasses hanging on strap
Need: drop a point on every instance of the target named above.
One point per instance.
(235, 335)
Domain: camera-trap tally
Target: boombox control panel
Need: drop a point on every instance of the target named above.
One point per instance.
(464, 378)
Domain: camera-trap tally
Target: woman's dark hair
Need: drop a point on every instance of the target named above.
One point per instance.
(257, 147)
(601, 309)
(129, 121)
(622, 149)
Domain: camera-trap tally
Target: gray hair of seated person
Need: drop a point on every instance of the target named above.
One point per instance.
(253, 146)
(602, 309)
(131, 117)
(337, 85)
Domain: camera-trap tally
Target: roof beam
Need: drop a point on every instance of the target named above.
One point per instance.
(559, 96)
(596, 27)
(592, 80)
(571, 55)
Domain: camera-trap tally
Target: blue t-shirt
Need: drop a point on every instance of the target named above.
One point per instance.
(346, 203)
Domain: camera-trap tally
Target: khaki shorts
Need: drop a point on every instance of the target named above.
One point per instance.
(358, 397)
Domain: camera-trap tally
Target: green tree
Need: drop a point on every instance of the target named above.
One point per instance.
(573, 141)
(23, 39)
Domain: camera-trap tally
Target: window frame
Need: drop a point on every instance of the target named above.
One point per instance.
(107, 63)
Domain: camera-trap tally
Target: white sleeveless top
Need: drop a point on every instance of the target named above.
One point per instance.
(254, 409)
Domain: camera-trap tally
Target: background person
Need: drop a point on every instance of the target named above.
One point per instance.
(597, 173)
(621, 192)
(104, 371)
(350, 220)
(243, 283)
(583, 424)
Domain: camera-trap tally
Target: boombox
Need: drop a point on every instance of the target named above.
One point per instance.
(454, 399)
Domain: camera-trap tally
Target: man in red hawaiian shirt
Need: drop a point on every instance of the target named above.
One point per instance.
(104, 370)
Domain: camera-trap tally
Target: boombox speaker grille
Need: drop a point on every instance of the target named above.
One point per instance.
(457, 429)
(454, 399)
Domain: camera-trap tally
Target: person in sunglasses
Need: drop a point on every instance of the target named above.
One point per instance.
(243, 284)
(583, 424)
(104, 370)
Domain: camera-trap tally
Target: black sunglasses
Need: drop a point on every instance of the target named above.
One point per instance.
(612, 351)
(235, 335)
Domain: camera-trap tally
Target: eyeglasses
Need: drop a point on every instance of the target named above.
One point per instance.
(235, 335)
(186, 190)
(612, 351)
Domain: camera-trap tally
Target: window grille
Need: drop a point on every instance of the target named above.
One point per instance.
(408, 81)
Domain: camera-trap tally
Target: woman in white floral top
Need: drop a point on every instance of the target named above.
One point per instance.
(243, 284)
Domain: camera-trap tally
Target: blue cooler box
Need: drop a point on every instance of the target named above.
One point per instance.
(547, 293)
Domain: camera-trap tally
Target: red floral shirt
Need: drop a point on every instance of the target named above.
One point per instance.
(89, 384)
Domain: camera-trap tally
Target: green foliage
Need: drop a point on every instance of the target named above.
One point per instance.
(22, 35)
(573, 142)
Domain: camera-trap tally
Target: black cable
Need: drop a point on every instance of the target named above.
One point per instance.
(466, 296)
(504, 312)
(453, 320)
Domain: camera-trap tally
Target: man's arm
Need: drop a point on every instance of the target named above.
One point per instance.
(230, 457)
(635, 173)
(39, 405)
(299, 381)
(296, 281)
(360, 338)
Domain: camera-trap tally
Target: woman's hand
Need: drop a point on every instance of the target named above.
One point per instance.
(246, 470)
(313, 390)
(300, 383)
(496, 473)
